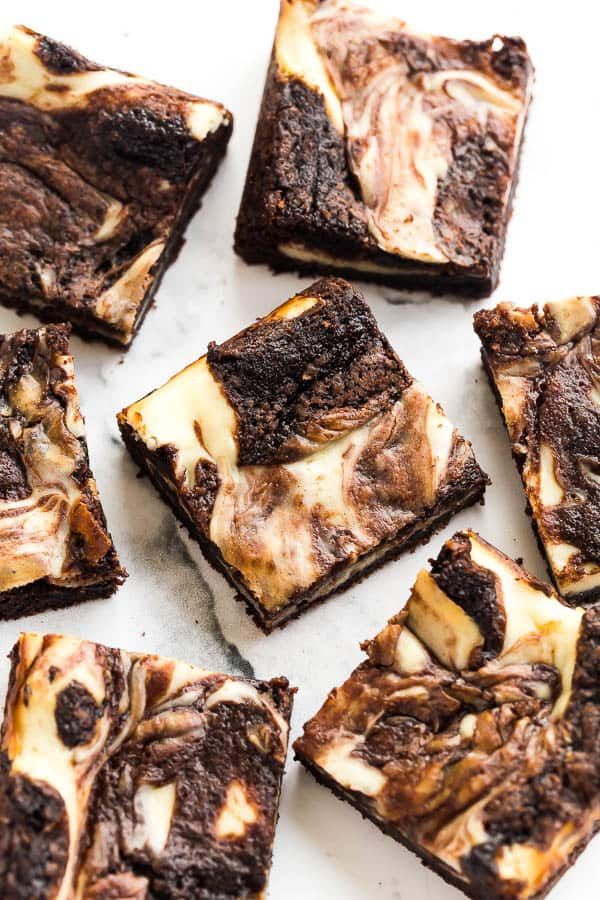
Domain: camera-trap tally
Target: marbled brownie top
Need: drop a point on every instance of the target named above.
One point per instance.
(473, 727)
(124, 775)
(302, 443)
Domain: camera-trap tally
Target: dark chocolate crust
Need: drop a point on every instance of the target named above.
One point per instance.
(91, 567)
(57, 170)
(299, 188)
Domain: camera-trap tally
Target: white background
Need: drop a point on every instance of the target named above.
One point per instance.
(173, 603)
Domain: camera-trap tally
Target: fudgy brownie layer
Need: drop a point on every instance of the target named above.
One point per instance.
(287, 379)
(93, 329)
(43, 596)
(301, 194)
(100, 171)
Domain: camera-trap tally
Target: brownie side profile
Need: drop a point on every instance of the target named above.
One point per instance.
(544, 367)
(301, 453)
(100, 172)
(126, 775)
(55, 546)
(383, 154)
(470, 733)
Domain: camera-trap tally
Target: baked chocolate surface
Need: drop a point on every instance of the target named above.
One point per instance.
(544, 365)
(471, 731)
(384, 154)
(125, 775)
(300, 453)
(55, 548)
(100, 172)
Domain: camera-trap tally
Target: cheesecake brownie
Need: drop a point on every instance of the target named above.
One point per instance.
(382, 153)
(301, 453)
(100, 172)
(55, 549)
(471, 731)
(544, 366)
(124, 775)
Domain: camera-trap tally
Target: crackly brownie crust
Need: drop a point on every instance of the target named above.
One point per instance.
(141, 747)
(543, 366)
(56, 549)
(301, 191)
(301, 453)
(478, 754)
(100, 171)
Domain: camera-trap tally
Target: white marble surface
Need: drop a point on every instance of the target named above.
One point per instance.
(173, 603)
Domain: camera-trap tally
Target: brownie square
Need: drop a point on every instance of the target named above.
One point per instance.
(126, 775)
(100, 171)
(544, 366)
(301, 453)
(471, 731)
(54, 543)
(384, 154)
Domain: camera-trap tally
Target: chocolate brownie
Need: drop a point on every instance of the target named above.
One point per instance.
(544, 366)
(100, 172)
(125, 775)
(301, 453)
(382, 153)
(471, 732)
(55, 549)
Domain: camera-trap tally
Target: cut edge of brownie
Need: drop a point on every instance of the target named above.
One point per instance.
(41, 596)
(340, 578)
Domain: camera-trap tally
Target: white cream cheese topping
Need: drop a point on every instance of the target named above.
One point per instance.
(394, 124)
(23, 76)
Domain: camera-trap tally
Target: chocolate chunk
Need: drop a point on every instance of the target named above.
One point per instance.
(76, 715)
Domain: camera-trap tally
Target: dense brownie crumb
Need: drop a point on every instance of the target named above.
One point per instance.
(287, 376)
